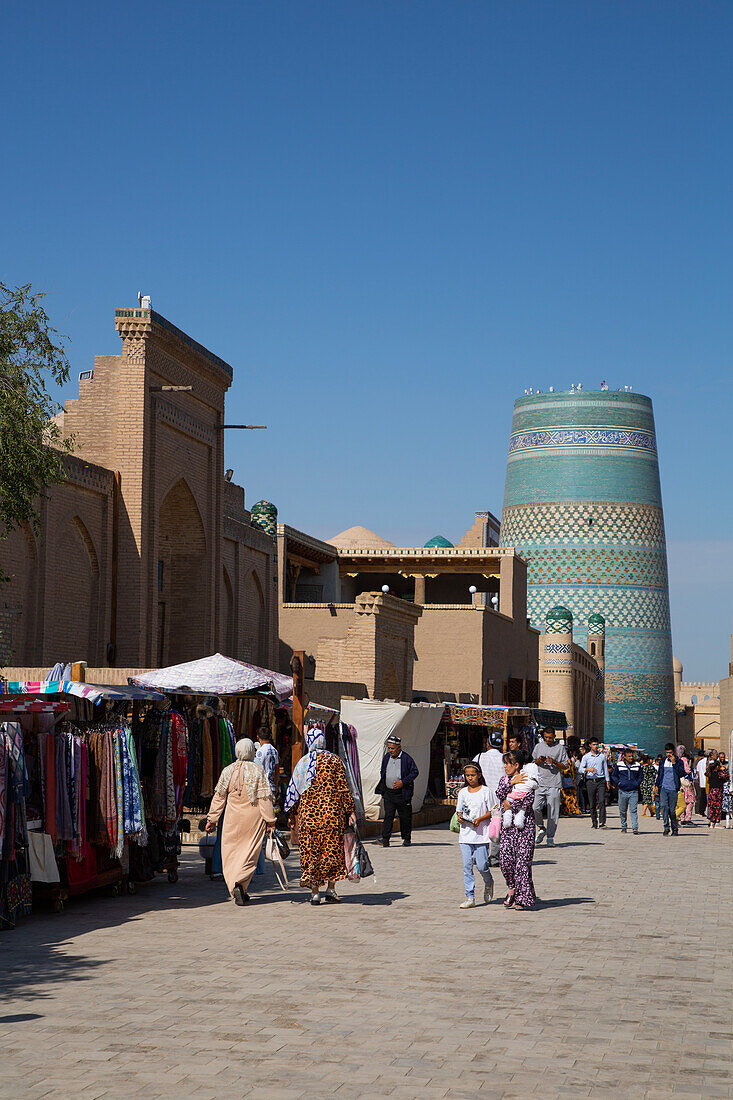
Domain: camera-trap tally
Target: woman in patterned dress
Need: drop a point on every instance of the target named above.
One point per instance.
(646, 788)
(717, 775)
(320, 805)
(516, 846)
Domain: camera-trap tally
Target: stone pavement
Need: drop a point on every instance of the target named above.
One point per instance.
(619, 985)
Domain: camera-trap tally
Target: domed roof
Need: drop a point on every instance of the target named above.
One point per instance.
(676, 664)
(439, 541)
(596, 618)
(359, 538)
(263, 508)
(560, 613)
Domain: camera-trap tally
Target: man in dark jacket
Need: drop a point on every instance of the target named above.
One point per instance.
(669, 776)
(396, 786)
(627, 775)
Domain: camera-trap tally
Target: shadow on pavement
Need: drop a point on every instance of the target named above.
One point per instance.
(557, 903)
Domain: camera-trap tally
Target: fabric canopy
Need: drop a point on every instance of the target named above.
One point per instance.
(374, 721)
(92, 692)
(216, 675)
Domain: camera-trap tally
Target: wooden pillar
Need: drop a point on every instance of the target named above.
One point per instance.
(78, 671)
(296, 666)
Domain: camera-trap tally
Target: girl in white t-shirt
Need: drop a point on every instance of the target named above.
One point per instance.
(475, 803)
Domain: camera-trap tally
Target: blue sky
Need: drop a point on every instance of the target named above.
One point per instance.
(391, 217)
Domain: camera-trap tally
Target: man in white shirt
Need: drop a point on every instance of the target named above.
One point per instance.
(702, 799)
(491, 762)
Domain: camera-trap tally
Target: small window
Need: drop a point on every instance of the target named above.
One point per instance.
(592, 649)
(160, 576)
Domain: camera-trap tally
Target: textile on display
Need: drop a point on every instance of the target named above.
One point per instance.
(414, 723)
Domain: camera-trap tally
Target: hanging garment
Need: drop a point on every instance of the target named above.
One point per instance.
(50, 774)
(42, 859)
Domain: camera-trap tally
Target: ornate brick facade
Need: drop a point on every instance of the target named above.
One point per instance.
(146, 555)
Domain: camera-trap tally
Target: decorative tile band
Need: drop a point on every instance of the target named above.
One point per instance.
(584, 437)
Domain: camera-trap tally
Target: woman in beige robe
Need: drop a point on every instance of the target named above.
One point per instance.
(244, 789)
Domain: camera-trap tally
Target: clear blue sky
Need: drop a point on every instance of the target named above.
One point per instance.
(391, 217)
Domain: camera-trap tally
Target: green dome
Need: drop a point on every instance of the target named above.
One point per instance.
(263, 514)
(559, 613)
(440, 542)
(596, 618)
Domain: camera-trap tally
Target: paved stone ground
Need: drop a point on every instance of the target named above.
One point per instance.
(619, 985)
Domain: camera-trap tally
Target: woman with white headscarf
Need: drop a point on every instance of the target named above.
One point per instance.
(319, 800)
(244, 790)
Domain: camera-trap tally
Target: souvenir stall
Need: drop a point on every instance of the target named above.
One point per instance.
(223, 700)
(461, 736)
(103, 784)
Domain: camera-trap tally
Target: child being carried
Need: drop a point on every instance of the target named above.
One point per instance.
(528, 782)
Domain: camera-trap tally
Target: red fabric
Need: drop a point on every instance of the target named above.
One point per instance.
(51, 786)
(82, 875)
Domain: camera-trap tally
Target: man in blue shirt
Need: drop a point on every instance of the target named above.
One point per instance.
(627, 775)
(669, 776)
(594, 767)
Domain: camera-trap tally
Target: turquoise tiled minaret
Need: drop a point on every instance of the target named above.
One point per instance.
(583, 506)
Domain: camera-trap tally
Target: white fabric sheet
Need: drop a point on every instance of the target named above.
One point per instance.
(41, 858)
(374, 722)
(216, 675)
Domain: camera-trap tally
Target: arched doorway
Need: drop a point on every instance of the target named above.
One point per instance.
(182, 597)
(18, 561)
(73, 634)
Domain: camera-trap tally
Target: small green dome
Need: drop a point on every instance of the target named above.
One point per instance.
(263, 508)
(596, 618)
(439, 542)
(558, 612)
(263, 515)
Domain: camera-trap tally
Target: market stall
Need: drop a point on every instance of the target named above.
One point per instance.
(96, 774)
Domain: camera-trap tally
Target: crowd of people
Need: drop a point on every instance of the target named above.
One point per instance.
(511, 801)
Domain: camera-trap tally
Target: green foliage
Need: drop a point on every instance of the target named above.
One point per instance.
(31, 445)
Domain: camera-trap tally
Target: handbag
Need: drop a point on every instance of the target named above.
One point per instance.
(494, 826)
(454, 824)
(362, 858)
(282, 844)
(353, 870)
(272, 852)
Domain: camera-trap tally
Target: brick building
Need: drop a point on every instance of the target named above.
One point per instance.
(146, 555)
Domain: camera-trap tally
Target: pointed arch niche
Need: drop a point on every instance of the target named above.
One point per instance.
(75, 599)
(181, 578)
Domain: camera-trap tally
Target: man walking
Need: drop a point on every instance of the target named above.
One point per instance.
(268, 759)
(491, 762)
(702, 794)
(669, 781)
(627, 775)
(396, 786)
(594, 767)
(549, 755)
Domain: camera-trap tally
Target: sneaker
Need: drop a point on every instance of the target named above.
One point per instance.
(603, 826)
(541, 834)
(469, 903)
(315, 899)
(666, 832)
(550, 843)
(489, 891)
(406, 843)
(623, 830)
(635, 832)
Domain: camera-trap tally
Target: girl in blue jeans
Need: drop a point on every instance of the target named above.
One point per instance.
(475, 803)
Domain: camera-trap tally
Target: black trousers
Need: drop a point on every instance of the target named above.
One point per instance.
(398, 806)
(702, 800)
(596, 791)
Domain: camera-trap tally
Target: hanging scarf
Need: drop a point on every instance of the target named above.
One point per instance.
(170, 786)
(3, 788)
(50, 779)
(119, 795)
(179, 734)
(244, 774)
(207, 772)
(305, 770)
(134, 821)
